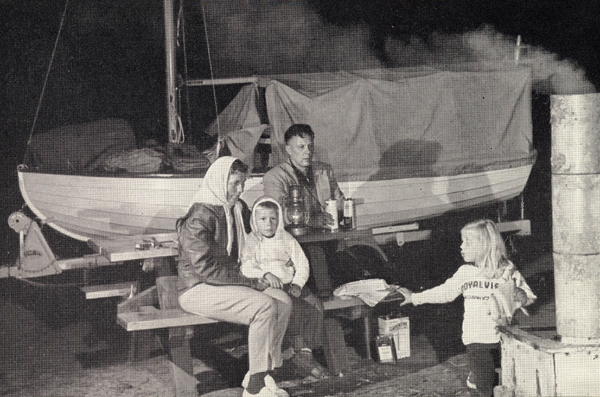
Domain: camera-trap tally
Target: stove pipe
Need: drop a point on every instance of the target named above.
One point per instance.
(575, 121)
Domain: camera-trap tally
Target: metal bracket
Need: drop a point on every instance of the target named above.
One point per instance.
(36, 259)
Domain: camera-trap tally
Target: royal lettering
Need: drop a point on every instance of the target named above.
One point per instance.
(479, 284)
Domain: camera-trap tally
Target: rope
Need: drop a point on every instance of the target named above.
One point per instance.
(518, 50)
(39, 105)
(178, 135)
(212, 78)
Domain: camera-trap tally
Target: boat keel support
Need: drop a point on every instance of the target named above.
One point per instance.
(36, 258)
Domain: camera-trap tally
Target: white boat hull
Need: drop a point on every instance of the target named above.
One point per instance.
(85, 207)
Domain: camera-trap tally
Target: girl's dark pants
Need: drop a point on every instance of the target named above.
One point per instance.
(482, 364)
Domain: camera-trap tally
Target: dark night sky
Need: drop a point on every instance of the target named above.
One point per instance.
(110, 60)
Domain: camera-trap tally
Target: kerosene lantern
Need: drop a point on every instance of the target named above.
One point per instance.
(296, 212)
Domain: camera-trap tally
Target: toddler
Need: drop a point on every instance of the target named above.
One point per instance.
(272, 254)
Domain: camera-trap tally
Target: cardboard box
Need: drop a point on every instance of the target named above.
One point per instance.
(399, 330)
(385, 349)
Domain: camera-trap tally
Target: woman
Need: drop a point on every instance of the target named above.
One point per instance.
(211, 235)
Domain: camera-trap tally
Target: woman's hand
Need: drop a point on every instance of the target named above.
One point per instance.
(407, 295)
(321, 220)
(273, 281)
(295, 290)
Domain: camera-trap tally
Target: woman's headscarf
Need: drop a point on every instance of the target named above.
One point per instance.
(214, 191)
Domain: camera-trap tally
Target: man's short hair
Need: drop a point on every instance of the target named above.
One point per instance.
(300, 130)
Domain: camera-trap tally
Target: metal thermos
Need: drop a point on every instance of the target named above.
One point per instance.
(332, 209)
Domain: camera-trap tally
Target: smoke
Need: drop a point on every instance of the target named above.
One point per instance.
(488, 48)
(267, 37)
(551, 75)
(270, 37)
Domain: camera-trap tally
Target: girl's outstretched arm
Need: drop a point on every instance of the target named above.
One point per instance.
(407, 295)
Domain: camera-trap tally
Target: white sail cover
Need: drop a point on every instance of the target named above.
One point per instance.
(398, 123)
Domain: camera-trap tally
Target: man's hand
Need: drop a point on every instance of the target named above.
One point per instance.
(273, 281)
(407, 295)
(295, 290)
(321, 220)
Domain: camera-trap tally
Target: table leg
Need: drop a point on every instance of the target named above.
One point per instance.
(335, 346)
(367, 325)
(179, 337)
(319, 268)
(181, 361)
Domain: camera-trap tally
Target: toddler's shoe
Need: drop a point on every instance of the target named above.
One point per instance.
(272, 385)
(269, 384)
(264, 392)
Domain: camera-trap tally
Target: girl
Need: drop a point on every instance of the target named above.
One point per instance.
(481, 281)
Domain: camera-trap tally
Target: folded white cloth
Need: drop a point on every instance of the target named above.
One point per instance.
(370, 291)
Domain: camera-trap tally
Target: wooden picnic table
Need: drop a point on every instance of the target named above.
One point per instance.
(140, 313)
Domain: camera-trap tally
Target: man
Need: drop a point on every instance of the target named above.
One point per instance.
(319, 185)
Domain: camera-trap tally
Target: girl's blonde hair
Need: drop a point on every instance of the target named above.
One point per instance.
(493, 259)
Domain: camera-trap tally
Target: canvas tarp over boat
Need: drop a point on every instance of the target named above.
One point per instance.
(397, 123)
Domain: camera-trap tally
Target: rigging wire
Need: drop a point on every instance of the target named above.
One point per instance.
(39, 105)
(212, 78)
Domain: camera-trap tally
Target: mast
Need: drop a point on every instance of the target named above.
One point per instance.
(175, 131)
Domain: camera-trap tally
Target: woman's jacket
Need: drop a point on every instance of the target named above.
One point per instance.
(203, 257)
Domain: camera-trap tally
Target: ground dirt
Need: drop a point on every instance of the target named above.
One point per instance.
(54, 343)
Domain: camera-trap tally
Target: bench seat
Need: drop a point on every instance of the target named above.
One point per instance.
(109, 290)
(149, 317)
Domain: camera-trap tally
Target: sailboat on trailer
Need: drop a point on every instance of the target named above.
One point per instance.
(406, 144)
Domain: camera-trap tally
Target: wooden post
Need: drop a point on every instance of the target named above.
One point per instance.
(179, 337)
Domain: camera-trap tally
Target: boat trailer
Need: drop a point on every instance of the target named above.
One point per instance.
(36, 258)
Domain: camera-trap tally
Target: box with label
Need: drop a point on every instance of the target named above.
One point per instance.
(399, 329)
(385, 349)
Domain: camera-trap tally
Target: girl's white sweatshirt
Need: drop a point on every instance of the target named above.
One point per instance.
(478, 325)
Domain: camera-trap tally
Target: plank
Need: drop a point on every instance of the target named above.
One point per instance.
(525, 370)
(108, 290)
(126, 248)
(152, 318)
(335, 303)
